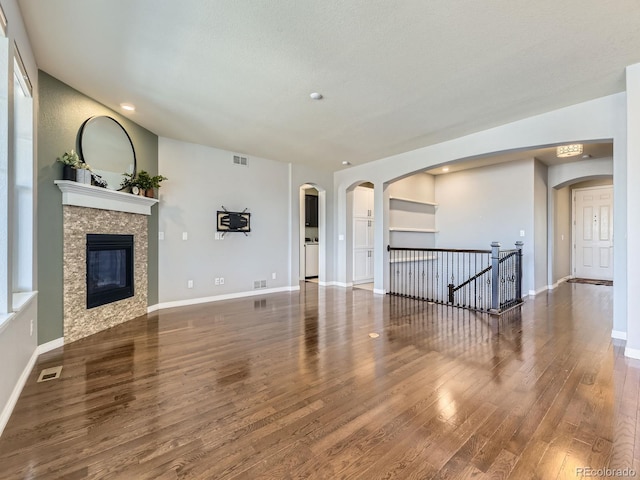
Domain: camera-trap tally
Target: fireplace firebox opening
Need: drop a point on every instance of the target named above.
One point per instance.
(109, 268)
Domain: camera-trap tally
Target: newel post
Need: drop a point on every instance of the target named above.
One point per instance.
(519, 245)
(495, 276)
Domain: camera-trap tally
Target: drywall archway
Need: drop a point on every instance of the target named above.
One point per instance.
(560, 180)
(322, 232)
(351, 253)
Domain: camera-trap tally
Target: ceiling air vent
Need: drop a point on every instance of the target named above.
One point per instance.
(238, 160)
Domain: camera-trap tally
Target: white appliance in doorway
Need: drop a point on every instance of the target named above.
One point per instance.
(593, 233)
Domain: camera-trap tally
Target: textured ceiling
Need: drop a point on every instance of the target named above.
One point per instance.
(395, 75)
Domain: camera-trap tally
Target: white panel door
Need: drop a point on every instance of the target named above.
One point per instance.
(593, 240)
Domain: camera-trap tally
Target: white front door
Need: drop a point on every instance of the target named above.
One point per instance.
(593, 233)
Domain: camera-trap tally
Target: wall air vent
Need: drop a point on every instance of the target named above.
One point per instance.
(238, 160)
(257, 284)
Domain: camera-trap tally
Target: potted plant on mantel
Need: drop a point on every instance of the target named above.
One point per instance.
(75, 169)
(70, 162)
(143, 183)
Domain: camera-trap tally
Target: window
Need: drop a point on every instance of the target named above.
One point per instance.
(5, 303)
(22, 197)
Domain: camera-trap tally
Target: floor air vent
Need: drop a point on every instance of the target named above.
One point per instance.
(50, 374)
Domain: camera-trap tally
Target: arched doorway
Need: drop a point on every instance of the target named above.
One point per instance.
(312, 233)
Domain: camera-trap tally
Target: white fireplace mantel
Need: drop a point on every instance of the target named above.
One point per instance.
(83, 195)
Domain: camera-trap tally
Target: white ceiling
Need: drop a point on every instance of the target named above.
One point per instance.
(395, 75)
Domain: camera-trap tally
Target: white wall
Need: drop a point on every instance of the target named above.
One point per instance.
(632, 202)
(482, 205)
(202, 180)
(18, 344)
(568, 173)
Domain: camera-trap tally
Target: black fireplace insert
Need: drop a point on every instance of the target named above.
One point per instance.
(109, 268)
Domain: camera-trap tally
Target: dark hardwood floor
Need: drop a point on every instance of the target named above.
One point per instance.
(292, 386)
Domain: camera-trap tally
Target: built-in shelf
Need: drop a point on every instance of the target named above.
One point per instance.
(83, 195)
(410, 200)
(409, 229)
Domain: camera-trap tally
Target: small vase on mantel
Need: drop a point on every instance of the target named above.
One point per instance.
(150, 192)
(68, 173)
(83, 175)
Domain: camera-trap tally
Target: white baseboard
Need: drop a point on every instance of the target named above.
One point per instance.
(618, 334)
(52, 345)
(17, 390)
(153, 308)
(227, 296)
(533, 293)
(24, 376)
(562, 280)
(379, 291)
(342, 284)
(632, 353)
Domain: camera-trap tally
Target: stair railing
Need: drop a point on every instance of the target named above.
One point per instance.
(487, 280)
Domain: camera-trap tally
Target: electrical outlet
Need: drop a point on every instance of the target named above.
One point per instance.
(189, 283)
(273, 276)
(185, 236)
(221, 280)
(160, 235)
(216, 281)
(522, 233)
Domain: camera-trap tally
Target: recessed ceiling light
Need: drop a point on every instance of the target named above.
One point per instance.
(346, 162)
(128, 107)
(316, 96)
(445, 169)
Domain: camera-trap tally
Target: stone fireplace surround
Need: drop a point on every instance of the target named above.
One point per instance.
(88, 209)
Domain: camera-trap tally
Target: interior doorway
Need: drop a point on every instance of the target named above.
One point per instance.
(363, 235)
(593, 233)
(312, 233)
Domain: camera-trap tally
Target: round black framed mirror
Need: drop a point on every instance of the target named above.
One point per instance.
(107, 148)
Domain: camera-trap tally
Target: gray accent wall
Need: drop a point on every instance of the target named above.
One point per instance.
(62, 110)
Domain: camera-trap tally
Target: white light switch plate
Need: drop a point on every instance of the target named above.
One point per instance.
(160, 235)
(185, 235)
